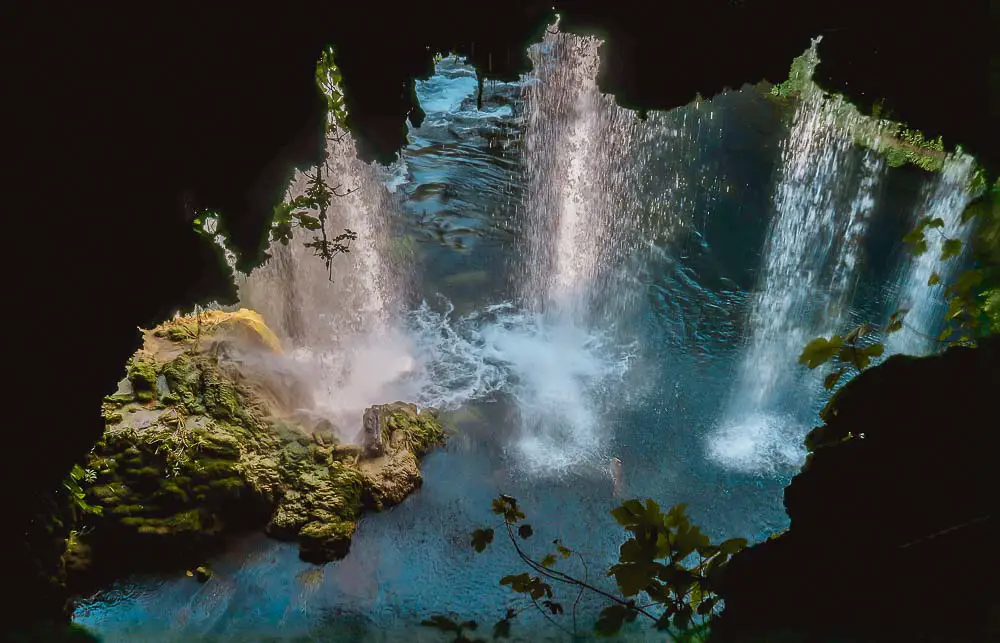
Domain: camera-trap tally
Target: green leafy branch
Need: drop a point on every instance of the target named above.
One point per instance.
(970, 306)
(667, 560)
(853, 351)
(309, 211)
(75, 484)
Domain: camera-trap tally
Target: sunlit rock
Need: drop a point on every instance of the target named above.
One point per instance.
(205, 441)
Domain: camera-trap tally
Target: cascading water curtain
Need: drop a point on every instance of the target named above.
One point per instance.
(824, 197)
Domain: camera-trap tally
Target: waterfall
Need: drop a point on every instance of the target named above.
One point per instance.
(577, 143)
(338, 330)
(578, 215)
(945, 198)
(822, 202)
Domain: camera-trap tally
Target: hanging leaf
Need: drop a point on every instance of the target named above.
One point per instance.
(934, 279)
(481, 538)
(820, 350)
(612, 618)
(951, 248)
(831, 380)
(857, 333)
(966, 281)
(934, 223)
(555, 608)
(874, 350)
(525, 531)
(548, 560)
(733, 545)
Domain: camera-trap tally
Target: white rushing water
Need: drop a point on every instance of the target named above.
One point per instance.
(945, 198)
(581, 225)
(824, 197)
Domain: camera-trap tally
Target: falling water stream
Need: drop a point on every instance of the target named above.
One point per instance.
(569, 283)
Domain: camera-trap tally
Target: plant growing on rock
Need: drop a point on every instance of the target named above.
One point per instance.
(667, 574)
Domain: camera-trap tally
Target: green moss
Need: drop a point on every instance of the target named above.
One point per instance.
(233, 485)
(179, 333)
(422, 431)
(184, 379)
(328, 540)
(183, 522)
(220, 397)
(141, 373)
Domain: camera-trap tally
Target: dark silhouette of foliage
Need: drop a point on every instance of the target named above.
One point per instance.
(667, 573)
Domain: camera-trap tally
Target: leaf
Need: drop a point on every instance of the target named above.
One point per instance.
(855, 357)
(518, 582)
(934, 223)
(916, 241)
(831, 380)
(874, 350)
(548, 560)
(896, 320)
(732, 545)
(525, 531)
(612, 618)
(501, 629)
(951, 248)
(481, 538)
(966, 281)
(633, 578)
(555, 608)
(442, 623)
(706, 606)
(565, 552)
(945, 334)
(820, 350)
(934, 279)
(857, 333)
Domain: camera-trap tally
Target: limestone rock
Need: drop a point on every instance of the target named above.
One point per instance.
(196, 449)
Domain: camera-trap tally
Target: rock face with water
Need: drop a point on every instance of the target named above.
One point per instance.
(894, 525)
(202, 442)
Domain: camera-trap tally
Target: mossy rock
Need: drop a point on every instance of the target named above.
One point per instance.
(320, 542)
(141, 372)
(209, 456)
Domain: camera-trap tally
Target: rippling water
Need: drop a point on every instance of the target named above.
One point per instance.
(649, 386)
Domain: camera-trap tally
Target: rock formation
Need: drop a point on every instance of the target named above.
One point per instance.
(894, 517)
(200, 444)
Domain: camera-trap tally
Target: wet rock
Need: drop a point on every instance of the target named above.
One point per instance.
(215, 456)
(202, 573)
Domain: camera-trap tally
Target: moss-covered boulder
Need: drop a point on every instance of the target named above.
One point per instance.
(394, 436)
(218, 453)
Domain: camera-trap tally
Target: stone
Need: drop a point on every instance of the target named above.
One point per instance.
(217, 454)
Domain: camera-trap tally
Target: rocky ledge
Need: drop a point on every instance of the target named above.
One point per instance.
(201, 444)
(894, 516)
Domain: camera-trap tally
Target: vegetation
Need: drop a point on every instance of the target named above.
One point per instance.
(899, 144)
(667, 574)
(308, 211)
(173, 475)
(973, 298)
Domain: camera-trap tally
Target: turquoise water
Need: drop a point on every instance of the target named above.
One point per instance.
(653, 381)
